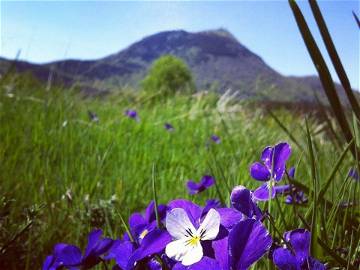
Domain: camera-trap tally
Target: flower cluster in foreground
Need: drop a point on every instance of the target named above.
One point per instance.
(185, 236)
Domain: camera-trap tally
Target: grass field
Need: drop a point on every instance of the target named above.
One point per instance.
(62, 174)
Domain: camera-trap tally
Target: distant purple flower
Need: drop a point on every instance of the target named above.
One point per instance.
(70, 256)
(205, 182)
(271, 167)
(132, 114)
(215, 139)
(169, 127)
(291, 172)
(353, 174)
(297, 197)
(93, 117)
(299, 257)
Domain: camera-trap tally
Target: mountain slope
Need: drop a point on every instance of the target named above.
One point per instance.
(218, 62)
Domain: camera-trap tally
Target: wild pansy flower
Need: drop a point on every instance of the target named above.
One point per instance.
(169, 127)
(271, 168)
(132, 114)
(299, 257)
(186, 246)
(70, 256)
(141, 225)
(353, 174)
(215, 139)
(205, 182)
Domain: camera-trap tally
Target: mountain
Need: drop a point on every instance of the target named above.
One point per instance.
(217, 59)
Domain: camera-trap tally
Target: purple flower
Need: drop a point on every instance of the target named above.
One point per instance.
(297, 197)
(271, 167)
(141, 225)
(70, 256)
(93, 117)
(205, 182)
(299, 257)
(353, 174)
(132, 114)
(215, 139)
(169, 127)
(238, 244)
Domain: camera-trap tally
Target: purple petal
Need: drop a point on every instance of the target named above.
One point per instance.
(259, 172)
(300, 241)
(168, 127)
(229, 217)
(263, 193)
(266, 156)
(207, 181)
(212, 203)
(93, 238)
(194, 187)
(353, 174)
(221, 250)
(215, 139)
(137, 224)
(50, 263)
(122, 252)
(314, 264)
(154, 242)
(282, 189)
(248, 242)
(292, 172)
(205, 263)
(241, 199)
(194, 211)
(150, 215)
(70, 256)
(284, 260)
(282, 152)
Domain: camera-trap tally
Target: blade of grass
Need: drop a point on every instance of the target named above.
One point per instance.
(335, 256)
(335, 59)
(286, 130)
(333, 172)
(323, 71)
(356, 18)
(313, 247)
(155, 198)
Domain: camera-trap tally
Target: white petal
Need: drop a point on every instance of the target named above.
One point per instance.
(178, 224)
(177, 249)
(187, 254)
(209, 228)
(193, 255)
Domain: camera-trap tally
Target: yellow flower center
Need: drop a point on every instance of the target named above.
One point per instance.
(193, 241)
(143, 234)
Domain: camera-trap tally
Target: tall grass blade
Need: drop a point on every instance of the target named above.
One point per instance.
(315, 204)
(335, 256)
(333, 172)
(335, 59)
(323, 71)
(356, 19)
(155, 197)
(286, 130)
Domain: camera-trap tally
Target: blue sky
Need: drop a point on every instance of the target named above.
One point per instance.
(53, 30)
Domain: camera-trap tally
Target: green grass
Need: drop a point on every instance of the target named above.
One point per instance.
(65, 174)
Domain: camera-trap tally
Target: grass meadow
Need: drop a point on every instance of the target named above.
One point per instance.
(62, 174)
